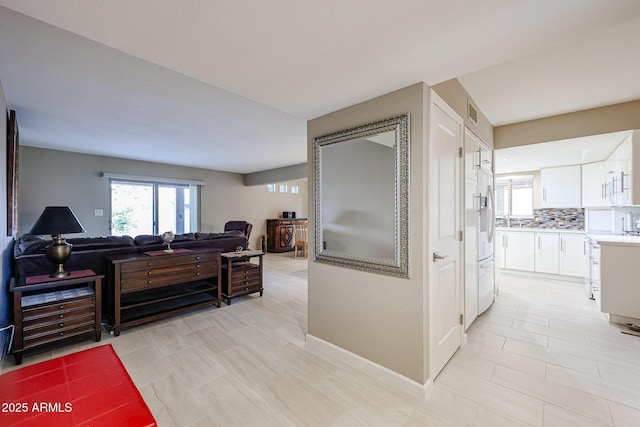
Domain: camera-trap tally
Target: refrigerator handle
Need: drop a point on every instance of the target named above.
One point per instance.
(492, 203)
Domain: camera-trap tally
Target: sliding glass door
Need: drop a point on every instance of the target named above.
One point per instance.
(152, 208)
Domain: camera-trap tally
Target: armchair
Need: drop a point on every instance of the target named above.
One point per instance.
(242, 226)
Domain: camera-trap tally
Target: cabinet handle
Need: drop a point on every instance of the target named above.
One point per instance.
(61, 334)
(149, 282)
(197, 265)
(61, 325)
(198, 258)
(539, 243)
(61, 307)
(61, 316)
(149, 263)
(544, 194)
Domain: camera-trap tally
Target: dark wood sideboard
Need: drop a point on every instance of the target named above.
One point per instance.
(144, 288)
(280, 234)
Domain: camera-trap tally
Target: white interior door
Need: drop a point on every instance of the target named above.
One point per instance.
(445, 294)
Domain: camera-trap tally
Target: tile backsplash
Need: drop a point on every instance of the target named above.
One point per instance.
(561, 219)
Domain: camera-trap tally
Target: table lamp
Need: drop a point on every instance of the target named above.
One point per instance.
(56, 221)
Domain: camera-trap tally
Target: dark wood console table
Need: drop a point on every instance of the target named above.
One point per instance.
(48, 311)
(155, 285)
(280, 234)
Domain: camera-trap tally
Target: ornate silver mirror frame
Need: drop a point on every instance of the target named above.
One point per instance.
(361, 203)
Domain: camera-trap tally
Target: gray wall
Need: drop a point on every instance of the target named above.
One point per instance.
(595, 121)
(454, 94)
(287, 173)
(6, 242)
(50, 177)
(381, 318)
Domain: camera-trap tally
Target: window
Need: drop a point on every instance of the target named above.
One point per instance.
(271, 188)
(514, 196)
(295, 189)
(283, 188)
(152, 207)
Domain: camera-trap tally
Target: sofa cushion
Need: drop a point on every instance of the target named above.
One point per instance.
(30, 244)
(149, 239)
(94, 243)
(209, 236)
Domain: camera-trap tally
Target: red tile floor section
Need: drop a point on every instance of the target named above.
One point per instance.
(88, 388)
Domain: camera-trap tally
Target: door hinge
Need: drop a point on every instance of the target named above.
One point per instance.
(460, 152)
(462, 319)
(460, 235)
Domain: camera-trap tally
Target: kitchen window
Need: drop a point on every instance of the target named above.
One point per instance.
(514, 196)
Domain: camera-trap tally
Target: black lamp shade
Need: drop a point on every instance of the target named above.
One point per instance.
(57, 220)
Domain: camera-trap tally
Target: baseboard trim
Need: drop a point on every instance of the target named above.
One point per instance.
(321, 348)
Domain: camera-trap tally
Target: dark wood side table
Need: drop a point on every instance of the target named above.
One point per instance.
(49, 311)
(240, 276)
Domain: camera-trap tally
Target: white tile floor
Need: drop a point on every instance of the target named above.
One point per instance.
(543, 355)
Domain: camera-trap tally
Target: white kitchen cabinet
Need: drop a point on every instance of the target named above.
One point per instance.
(594, 177)
(572, 255)
(620, 174)
(561, 187)
(547, 253)
(471, 155)
(471, 252)
(519, 250)
(499, 249)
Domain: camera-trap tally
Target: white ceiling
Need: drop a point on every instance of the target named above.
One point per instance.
(229, 85)
(575, 151)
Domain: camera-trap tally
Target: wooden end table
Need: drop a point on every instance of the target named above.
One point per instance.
(48, 311)
(240, 276)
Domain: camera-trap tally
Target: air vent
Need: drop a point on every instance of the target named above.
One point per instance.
(473, 113)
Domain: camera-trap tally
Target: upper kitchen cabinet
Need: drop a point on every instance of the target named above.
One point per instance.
(594, 191)
(620, 175)
(613, 182)
(561, 187)
(471, 155)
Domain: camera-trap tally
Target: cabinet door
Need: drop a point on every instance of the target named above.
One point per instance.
(572, 255)
(561, 187)
(499, 250)
(471, 218)
(519, 251)
(471, 155)
(547, 253)
(593, 185)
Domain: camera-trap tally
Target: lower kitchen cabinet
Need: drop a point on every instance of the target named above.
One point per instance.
(547, 253)
(572, 255)
(541, 252)
(519, 253)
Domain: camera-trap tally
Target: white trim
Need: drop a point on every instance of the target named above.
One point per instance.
(322, 348)
(110, 175)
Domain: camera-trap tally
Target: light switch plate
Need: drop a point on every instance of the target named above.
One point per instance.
(99, 212)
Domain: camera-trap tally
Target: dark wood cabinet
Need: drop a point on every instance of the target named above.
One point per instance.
(280, 234)
(48, 311)
(147, 287)
(240, 276)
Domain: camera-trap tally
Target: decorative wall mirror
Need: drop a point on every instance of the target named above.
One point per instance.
(361, 187)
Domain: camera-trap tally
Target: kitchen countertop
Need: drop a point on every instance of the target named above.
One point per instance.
(614, 239)
(541, 230)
